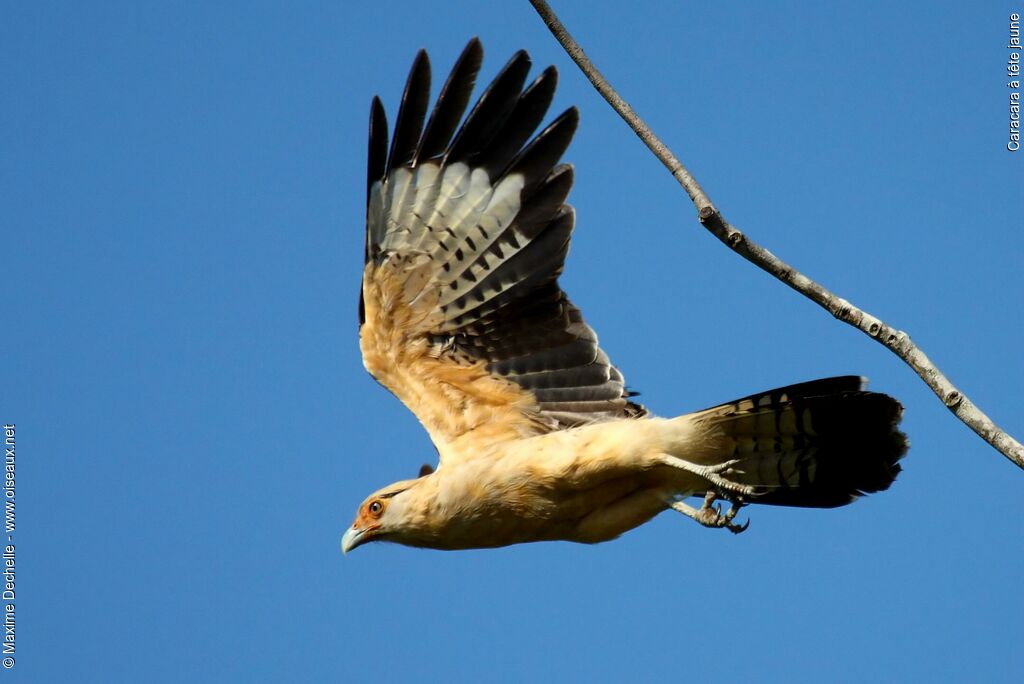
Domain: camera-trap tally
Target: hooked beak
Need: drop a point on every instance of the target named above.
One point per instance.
(353, 537)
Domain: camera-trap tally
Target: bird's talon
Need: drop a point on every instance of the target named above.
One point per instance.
(710, 514)
(736, 529)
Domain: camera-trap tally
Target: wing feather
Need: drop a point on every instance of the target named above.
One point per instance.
(409, 124)
(462, 316)
(451, 103)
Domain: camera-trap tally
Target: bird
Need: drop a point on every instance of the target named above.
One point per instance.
(538, 437)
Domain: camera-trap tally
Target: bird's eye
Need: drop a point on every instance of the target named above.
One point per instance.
(375, 508)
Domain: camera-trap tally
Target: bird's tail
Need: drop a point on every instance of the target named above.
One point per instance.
(817, 444)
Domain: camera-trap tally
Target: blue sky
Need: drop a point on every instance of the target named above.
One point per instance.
(182, 192)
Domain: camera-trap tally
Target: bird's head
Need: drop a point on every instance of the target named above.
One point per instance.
(385, 515)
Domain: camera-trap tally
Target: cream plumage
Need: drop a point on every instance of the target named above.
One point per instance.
(462, 317)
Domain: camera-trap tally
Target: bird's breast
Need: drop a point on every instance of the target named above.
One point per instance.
(546, 488)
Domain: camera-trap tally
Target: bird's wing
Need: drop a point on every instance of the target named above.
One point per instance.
(461, 314)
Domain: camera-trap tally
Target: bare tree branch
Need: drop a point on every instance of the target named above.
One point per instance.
(897, 341)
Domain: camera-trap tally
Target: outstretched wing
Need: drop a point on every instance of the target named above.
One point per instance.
(461, 314)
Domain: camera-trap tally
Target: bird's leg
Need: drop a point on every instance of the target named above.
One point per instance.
(712, 473)
(710, 515)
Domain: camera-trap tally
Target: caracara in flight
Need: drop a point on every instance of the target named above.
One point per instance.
(462, 318)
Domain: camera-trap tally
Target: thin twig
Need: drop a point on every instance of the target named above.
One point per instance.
(897, 341)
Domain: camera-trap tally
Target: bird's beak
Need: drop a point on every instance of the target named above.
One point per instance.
(353, 537)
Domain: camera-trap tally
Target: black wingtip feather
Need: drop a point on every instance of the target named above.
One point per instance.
(491, 110)
(529, 111)
(377, 154)
(451, 102)
(411, 113)
(546, 149)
